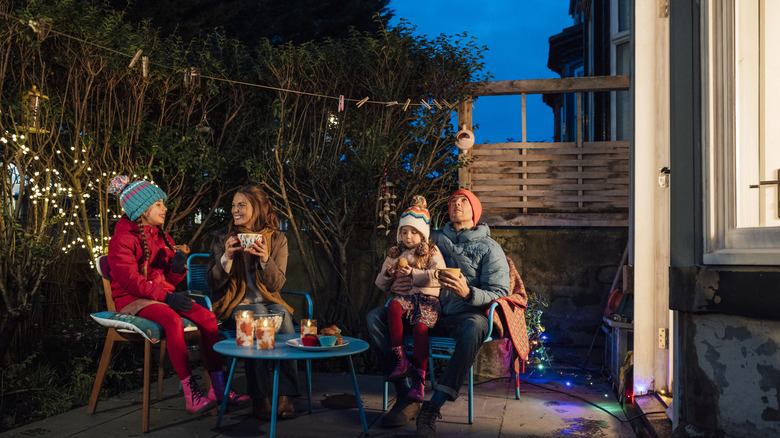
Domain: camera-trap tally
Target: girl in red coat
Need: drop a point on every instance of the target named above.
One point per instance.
(145, 266)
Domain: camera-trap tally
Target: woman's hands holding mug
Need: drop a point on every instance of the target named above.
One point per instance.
(260, 249)
(232, 246)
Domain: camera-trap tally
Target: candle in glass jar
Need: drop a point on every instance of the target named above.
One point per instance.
(308, 327)
(265, 333)
(245, 328)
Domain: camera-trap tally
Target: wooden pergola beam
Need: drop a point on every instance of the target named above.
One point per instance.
(556, 85)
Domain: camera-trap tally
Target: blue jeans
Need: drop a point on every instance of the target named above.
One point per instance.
(259, 380)
(468, 329)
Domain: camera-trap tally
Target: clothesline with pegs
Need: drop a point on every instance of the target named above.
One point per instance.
(43, 29)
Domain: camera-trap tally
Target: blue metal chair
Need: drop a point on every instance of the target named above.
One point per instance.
(443, 348)
(197, 267)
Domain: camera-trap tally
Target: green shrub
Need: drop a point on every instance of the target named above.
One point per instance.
(59, 375)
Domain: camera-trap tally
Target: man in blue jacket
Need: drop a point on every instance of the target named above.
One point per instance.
(484, 277)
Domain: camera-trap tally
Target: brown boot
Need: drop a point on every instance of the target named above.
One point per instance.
(286, 409)
(262, 408)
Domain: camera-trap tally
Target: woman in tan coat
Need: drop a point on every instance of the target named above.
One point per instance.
(251, 280)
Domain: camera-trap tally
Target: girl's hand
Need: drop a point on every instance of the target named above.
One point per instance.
(390, 271)
(260, 249)
(401, 285)
(232, 246)
(404, 271)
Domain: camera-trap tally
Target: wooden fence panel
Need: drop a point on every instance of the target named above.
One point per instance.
(549, 184)
(560, 178)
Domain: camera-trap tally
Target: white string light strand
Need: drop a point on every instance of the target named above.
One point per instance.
(133, 58)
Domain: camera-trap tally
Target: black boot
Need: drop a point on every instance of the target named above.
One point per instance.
(426, 421)
(403, 410)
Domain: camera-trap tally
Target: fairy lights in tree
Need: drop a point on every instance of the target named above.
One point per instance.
(55, 203)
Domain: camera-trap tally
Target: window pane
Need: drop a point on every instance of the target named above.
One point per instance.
(758, 159)
(624, 15)
(622, 67)
(747, 126)
(742, 158)
(769, 146)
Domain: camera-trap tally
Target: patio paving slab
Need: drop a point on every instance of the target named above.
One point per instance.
(547, 408)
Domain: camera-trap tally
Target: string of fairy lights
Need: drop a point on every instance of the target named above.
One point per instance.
(54, 193)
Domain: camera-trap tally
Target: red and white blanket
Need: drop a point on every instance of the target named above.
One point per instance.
(509, 319)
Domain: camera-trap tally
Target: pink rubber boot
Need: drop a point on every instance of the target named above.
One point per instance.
(401, 366)
(417, 386)
(217, 391)
(197, 402)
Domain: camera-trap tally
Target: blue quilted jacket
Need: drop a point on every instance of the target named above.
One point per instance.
(480, 259)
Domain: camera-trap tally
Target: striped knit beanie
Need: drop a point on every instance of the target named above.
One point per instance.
(416, 216)
(135, 197)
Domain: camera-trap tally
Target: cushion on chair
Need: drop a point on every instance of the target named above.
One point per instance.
(135, 324)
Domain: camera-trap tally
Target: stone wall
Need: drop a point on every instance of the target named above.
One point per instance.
(571, 270)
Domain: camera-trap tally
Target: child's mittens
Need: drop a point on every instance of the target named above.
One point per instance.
(178, 262)
(180, 301)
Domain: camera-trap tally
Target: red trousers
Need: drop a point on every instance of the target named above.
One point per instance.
(170, 320)
(395, 326)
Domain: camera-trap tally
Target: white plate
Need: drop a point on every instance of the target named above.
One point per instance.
(296, 342)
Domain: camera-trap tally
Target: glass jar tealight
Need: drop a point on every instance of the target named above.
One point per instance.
(308, 327)
(265, 330)
(245, 321)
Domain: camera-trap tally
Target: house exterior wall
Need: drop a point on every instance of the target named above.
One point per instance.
(731, 377)
(727, 371)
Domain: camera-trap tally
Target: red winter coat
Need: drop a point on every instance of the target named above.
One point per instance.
(125, 260)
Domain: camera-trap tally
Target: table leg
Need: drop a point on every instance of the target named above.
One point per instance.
(308, 381)
(275, 404)
(357, 396)
(227, 391)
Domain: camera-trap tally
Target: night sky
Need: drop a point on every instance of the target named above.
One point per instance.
(516, 34)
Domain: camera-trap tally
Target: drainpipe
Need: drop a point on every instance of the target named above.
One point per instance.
(650, 201)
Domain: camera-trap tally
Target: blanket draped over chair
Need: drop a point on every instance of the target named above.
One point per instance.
(510, 321)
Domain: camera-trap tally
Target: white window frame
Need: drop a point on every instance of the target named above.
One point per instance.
(724, 242)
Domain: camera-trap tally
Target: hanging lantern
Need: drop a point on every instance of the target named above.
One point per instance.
(33, 107)
(464, 139)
